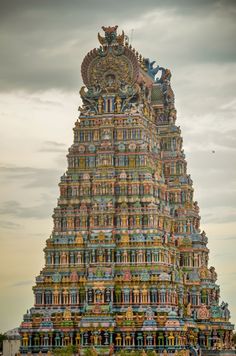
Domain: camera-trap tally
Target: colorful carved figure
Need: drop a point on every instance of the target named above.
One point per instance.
(118, 101)
(100, 105)
(126, 266)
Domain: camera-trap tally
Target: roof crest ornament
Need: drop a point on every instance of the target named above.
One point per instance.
(111, 38)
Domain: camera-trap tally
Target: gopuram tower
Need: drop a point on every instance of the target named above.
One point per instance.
(126, 265)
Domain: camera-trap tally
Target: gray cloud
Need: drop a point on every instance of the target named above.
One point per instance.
(52, 146)
(216, 219)
(22, 283)
(30, 177)
(43, 44)
(47, 103)
(228, 238)
(15, 209)
(9, 225)
(222, 200)
(226, 139)
(206, 163)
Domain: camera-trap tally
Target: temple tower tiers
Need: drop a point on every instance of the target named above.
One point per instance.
(126, 266)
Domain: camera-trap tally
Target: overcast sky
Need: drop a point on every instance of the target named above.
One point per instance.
(42, 45)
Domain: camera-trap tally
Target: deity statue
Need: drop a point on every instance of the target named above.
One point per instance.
(79, 239)
(129, 314)
(146, 110)
(165, 238)
(118, 104)
(124, 221)
(79, 257)
(100, 104)
(125, 238)
(188, 310)
(74, 276)
(67, 314)
(144, 294)
(63, 258)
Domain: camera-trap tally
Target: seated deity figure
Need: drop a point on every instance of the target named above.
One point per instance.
(67, 314)
(129, 314)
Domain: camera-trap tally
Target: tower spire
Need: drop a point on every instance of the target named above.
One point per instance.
(126, 266)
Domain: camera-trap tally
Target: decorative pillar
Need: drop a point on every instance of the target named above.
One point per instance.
(154, 339)
(145, 339)
(123, 339)
(30, 340)
(133, 339)
(111, 337)
(86, 338)
(106, 335)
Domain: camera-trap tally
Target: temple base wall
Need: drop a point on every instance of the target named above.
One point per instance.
(218, 352)
(144, 352)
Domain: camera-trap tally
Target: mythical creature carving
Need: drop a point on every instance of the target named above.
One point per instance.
(152, 71)
(111, 36)
(225, 313)
(213, 273)
(203, 313)
(89, 102)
